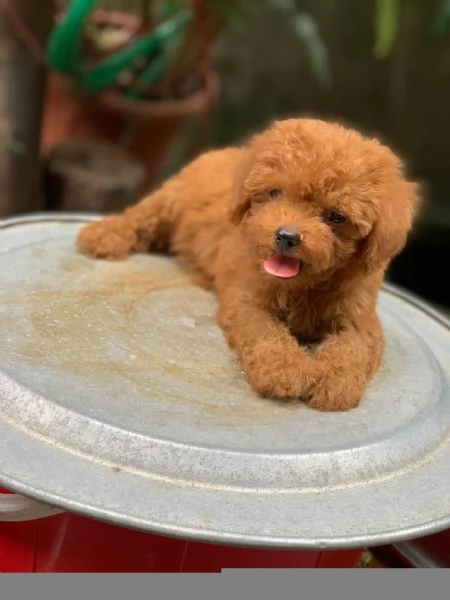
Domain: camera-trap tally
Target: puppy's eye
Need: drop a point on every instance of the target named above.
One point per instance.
(335, 217)
(275, 193)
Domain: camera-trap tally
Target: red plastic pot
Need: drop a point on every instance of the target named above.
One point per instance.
(68, 543)
(431, 551)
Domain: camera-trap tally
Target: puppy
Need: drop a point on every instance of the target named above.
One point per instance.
(294, 232)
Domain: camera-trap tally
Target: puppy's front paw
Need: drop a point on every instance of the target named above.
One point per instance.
(335, 393)
(112, 238)
(287, 381)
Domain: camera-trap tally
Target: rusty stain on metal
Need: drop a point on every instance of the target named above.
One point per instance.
(68, 327)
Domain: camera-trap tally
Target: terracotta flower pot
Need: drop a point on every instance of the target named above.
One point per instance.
(146, 129)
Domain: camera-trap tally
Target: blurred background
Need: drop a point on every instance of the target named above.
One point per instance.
(101, 100)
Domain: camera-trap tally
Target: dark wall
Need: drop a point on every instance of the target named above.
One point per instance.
(406, 97)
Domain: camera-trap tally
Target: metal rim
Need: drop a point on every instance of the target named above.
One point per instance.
(207, 536)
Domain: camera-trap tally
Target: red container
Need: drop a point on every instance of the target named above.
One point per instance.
(431, 551)
(68, 543)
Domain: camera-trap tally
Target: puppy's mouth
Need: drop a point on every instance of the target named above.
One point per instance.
(283, 266)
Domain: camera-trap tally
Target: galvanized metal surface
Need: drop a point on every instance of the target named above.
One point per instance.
(119, 399)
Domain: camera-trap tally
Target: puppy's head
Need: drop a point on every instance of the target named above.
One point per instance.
(313, 197)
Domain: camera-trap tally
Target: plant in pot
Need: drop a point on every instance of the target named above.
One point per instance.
(131, 80)
(120, 87)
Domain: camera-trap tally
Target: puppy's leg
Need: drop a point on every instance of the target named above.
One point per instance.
(348, 360)
(271, 358)
(142, 227)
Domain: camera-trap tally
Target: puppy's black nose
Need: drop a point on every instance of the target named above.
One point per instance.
(286, 239)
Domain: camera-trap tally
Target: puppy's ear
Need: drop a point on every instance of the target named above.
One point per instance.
(388, 237)
(240, 199)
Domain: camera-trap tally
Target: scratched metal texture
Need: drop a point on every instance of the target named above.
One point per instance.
(119, 399)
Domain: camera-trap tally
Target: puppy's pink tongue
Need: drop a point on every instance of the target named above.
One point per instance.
(282, 266)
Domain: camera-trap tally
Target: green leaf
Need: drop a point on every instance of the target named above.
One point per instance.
(16, 146)
(233, 13)
(65, 40)
(387, 13)
(307, 31)
(106, 72)
(156, 69)
(441, 20)
(170, 6)
(286, 6)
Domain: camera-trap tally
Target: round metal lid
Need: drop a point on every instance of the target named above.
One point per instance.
(119, 399)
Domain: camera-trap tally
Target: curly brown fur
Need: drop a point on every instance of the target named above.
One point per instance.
(220, 215)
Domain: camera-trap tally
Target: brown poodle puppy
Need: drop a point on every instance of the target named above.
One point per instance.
(294, 232)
